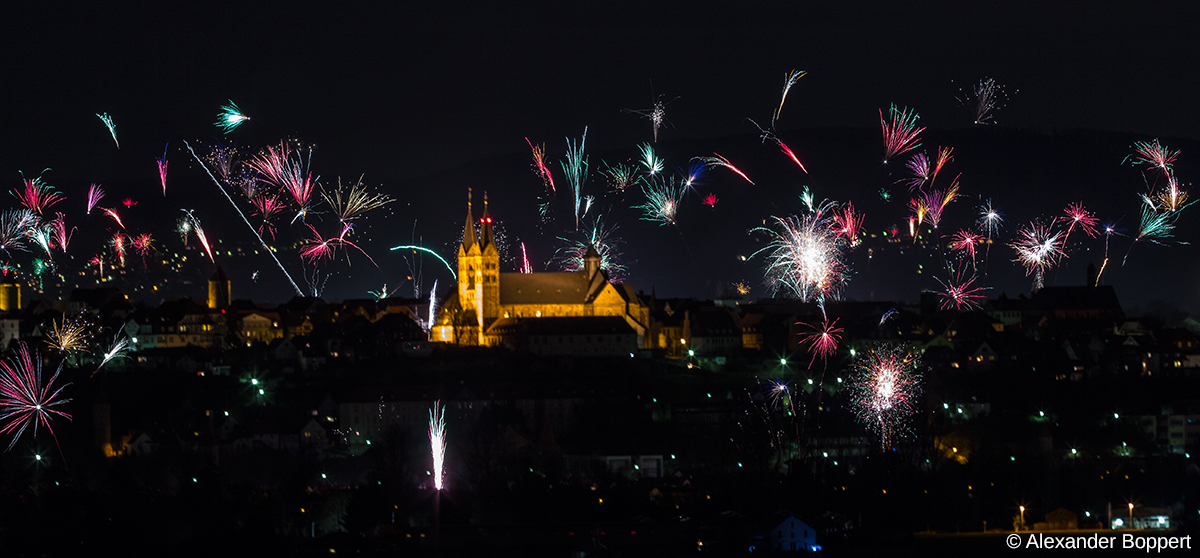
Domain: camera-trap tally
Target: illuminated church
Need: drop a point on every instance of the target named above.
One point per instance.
(533, 310)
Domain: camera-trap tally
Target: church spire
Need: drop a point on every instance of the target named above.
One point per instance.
(487, 239)
(469, 231)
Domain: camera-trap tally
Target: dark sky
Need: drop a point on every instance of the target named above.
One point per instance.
(427, 100)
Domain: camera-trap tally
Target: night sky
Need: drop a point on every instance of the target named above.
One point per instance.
(426, 101)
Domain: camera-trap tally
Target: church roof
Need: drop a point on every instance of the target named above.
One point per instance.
(556, 287)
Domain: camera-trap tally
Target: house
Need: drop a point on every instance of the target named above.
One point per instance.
(1062, 519)
(792, 534)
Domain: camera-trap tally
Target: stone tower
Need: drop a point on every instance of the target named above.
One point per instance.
(490, 263)
(220, 290)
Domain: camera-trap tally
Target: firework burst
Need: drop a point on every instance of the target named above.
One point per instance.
(620, 176)
(572, 256)
(36, 195)
(1038, 248)
(959, 293)
(437, 443)
(710, 200)
(1077, 216)
(94, 195)
(653, 164)
(116, 351)
(355, 202)
(900, 132)
(74, 334)
(805, 256)
(885, 386)
(24, 400)
(789, 79)
(112, 128)
(849, 224)
(662, 201)
(575, 166)
(983, 100)
(162, 169)
(230, 117)
(966, 241)
(539, 163)
(288, 170)
(823, 341)
(657, 114)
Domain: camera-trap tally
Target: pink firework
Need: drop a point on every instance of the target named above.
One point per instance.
(59, 233)
(719, 161)
(525, 267)
(966, 241)
(287, 170)
(943, 158)
(791, 155)
(539, 161)
(849, 224)
(267, 205)
(823, 342)
(1076, 215)
(918, 165)
(1154, 154)
(114, 216)
(94, 195)
(900, 132)
(24, 400)
(316, 247)
(119, 245)
(885, 388)
(960, 294)
(37, 196)
(129, 202)
(162, 170)
(711, 200)
(143, 243)
(1038, 248)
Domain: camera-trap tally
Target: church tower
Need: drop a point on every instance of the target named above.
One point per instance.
(490, 262)
(470, 272)
(219, 290)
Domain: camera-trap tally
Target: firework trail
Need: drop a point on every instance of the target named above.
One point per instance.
(849, 224)
(244, 219)
(430, 252)
(525, 267)
(653, 164)
(944, 156)
(710, 200)
(823, 342)
(960, 294)
(662, 201)
(806, 197)
(900, 132)
(162, 170)
(59, 233)
(572, 256)
(119, 345)
(73, 335)
(1038, 248)
(888, 315)
(695, 173)
(189, 224)
(23, 398)
(657, 114)
(356, 201)
(539, 161)
(287, 170)
(766, 134)
(112, 128)
(437, 443)
(319, 247)
(118, 244)
(885, 386)
(37, 196)
(789, 79)
(805, 256)
(931, 205)
(1172, 198)
(1109, 231)
(94, 195)
(41, 237)
(230, 117)
(112, 213)
(620, 176)
(576, 167)
(719, 161)
(983, 101)
(432, 309)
